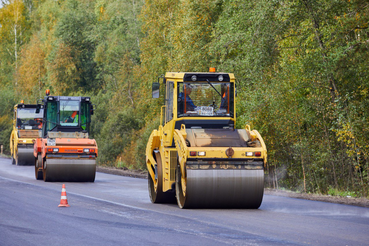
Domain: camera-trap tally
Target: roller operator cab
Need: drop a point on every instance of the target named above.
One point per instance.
(64, 151)
(27, 121)
(196, 157)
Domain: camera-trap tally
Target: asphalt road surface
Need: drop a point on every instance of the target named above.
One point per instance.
(116, 210)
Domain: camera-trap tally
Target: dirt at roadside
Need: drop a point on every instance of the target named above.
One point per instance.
(122, 172)
(361, 202)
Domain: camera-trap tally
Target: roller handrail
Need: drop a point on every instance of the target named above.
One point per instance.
(262, 145)
(150, 160)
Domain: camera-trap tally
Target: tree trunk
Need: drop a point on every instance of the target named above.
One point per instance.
(15, 53)
(315, 21)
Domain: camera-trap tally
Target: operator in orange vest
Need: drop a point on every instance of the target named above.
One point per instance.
(75, 117)
(224, 101)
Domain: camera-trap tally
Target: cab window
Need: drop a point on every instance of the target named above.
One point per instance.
(205, 99)
(69, 113)
(85, 116)
(51, 115)
(169, 102)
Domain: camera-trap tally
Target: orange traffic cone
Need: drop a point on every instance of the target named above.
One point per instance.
(63, 199)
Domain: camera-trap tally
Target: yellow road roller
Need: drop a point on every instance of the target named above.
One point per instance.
(64, 151)
(26, 125)
(196, 157)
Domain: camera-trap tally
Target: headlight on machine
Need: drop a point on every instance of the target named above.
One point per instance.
(249, 154)
(257, 154)
(88, 151)
(195, 153)
(52, 150)
(201, 153)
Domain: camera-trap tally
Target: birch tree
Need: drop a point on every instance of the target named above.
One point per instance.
(13, 34)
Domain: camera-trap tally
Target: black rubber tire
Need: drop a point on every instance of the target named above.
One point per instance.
(158, 196)
(44, 172)
(152, 193)
(181, 199)
(13, 160)
(16, 159)
(38, 172)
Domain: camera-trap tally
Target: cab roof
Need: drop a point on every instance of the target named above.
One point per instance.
(186, 76)
(22, 105)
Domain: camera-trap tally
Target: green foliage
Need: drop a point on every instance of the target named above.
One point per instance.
(73, 60)
(14, 32)
(301, 66)
(6, 115)
(115, 135)
(334, 192)
(141, 142)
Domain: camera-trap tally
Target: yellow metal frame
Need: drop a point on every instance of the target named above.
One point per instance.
(162, 139)
(15, 140)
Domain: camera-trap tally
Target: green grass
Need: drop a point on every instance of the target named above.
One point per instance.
(334, 192)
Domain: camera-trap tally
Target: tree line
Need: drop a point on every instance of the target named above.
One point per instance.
(301, 69)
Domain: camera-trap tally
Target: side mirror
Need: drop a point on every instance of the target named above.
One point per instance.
(38, 109)
(155, 90)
